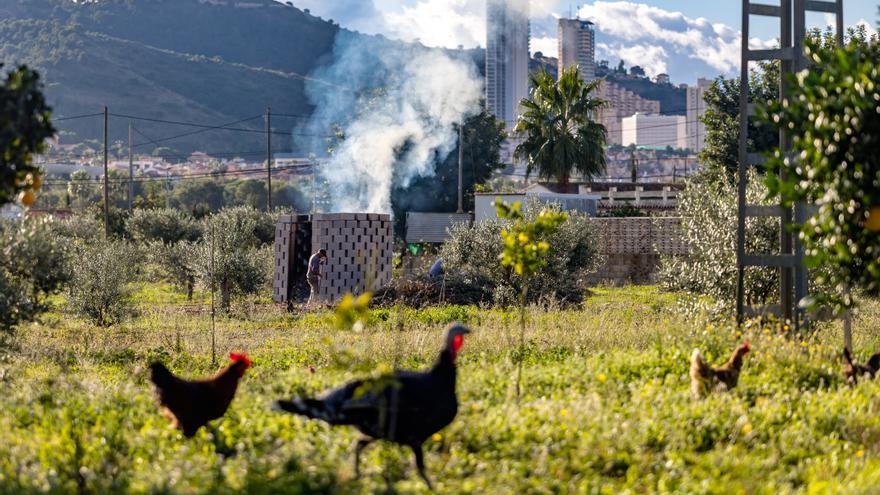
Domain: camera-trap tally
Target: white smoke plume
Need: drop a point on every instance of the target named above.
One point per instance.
(398, 116)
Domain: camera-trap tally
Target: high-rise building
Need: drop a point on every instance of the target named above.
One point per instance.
(656, 131)
(696, 109)
(507, 57)
(577, 46)
(622, 103)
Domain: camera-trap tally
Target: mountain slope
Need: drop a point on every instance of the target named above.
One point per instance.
(258, 33)
(206, 61)
(85, 71)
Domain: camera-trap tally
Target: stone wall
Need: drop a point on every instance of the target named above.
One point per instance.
(632, 247)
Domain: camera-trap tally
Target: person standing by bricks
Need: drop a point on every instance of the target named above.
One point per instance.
(313, 275)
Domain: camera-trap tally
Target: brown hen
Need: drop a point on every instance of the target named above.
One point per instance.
(705, 377)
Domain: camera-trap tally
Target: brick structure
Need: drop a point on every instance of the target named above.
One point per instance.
(358, 253)
(632, 247)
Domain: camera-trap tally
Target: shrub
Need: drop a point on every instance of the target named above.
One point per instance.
(163, 224)
(241, 262)
(99, 290)
(708, 209)
(82, 227)
(33, 266)
(475, 250)
(177, 262)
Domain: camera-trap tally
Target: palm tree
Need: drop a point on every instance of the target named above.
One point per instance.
(561, 135)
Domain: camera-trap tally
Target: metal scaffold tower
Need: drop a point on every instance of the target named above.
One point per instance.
(793, 279)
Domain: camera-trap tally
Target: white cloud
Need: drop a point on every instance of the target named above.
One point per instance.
(651, 58)
(657, 39)
(446, 23)
(648, 34)
(549, 46)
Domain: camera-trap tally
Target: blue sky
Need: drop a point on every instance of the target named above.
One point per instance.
(684, 38)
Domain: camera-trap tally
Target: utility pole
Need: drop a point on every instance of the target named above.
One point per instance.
(634, 166)
(268, 159)
(106, 183)
(460, 166)
(130, 171)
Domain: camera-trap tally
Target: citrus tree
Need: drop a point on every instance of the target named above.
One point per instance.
(525, 252)
(24, 127)
(832, 118)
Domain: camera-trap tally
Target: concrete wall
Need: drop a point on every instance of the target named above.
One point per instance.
(632, 248)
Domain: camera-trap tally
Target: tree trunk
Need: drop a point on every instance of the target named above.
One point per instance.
(522, 337)
(225, 291)
(564, 179)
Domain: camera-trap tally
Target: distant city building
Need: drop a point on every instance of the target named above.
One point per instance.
(577, 47)
(507, 57)
(696, 109)
(621, 103)
(653, 130)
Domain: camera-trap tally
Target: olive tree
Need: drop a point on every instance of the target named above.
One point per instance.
(100, 287)
(232, 256)
(474, 251)
(166, 225)
(708, 211)
(33, 265)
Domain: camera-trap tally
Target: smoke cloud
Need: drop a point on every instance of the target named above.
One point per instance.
(398, 106)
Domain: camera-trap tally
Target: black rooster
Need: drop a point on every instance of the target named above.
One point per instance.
(405, 408)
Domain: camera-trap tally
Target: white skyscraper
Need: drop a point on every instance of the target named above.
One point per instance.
(696, 109)
(507, 57)
(577, 46)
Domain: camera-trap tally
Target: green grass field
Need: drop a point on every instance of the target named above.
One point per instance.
(606, 405)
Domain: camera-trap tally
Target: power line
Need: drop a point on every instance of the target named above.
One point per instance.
(190, 133)
(214, 174)
(74, 117)
(217, 127)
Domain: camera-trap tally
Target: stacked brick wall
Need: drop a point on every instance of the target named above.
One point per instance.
(632, 247)
(358, 252)
(283, 250)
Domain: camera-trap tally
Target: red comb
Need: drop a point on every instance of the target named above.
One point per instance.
(745, 345)
(237, 357)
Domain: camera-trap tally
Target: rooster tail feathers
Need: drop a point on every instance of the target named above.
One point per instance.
(310, 408)
(697, 363)
(160, 375)
(847, 356)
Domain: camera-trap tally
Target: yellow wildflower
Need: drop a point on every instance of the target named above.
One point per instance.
(436, 437)
(860, 453)
(747, 428)
(563, 412)
(601, 377)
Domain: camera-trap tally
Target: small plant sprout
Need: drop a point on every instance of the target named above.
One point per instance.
(352, 311)
(525, 251)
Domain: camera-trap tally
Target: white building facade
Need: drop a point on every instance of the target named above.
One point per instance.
(507, 58)
(577, 47)
(654, 130)
(696, 109)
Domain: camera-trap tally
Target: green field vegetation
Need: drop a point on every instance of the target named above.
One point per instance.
(606, 406)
